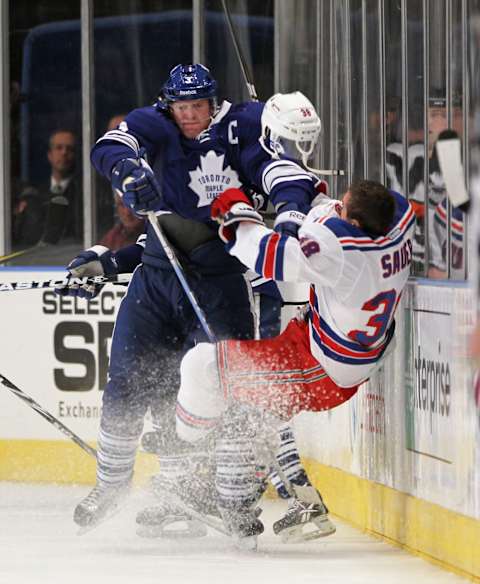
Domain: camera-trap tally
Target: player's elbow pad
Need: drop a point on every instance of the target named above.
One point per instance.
(128, 258)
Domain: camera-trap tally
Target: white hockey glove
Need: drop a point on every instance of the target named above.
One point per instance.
(95, 261)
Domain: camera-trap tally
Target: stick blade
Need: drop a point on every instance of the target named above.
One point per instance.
(451, 167)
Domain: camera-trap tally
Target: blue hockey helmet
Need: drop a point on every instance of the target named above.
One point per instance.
(189, 82)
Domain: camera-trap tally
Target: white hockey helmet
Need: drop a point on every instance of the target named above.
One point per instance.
(290, 126)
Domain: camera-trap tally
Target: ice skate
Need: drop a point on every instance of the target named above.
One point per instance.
(244, 527)
(187, 505)
(304, 521)
(168, 520)
(100, 504)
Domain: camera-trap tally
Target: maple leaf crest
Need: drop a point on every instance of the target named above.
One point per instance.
(210, 179)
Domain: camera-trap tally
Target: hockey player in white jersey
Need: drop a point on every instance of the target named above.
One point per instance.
(356, 256)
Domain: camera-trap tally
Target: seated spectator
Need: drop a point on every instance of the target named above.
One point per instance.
(126, 228)
(51, 212)
(429, 203)
(28, 214)
(63, 193)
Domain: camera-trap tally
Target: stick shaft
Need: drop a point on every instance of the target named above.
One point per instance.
(47, 415)
(248, 77)
(181, 276)
(15, 254)
(53, 283)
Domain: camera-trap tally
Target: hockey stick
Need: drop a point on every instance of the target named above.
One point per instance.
(172, 258)
(47, 415)
(56, 216)
(52, 283)
(16, 254)
(448, 148)
(248, 78)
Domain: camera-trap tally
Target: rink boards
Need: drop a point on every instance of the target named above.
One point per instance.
(401, 459)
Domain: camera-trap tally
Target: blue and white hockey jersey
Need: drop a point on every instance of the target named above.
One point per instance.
(356, 282)
(193, 172)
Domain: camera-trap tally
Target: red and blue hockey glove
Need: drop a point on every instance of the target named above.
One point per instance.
(230, 209)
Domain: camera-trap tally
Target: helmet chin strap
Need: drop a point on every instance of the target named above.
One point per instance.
(324, 172)
(304, 155)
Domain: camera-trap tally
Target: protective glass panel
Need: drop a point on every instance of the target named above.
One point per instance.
(457, 112)
(392, 47)
(253, 25)
(445, 120)
(46, 120)
(297, 49)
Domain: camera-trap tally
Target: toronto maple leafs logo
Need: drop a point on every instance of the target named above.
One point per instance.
(210, 179)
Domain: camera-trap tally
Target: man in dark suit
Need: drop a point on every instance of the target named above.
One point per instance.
(52, 211)
(63, 194)
(51, 214)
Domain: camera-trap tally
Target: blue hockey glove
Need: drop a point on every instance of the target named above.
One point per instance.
(289, 220)
(135, 182)
(95, 261)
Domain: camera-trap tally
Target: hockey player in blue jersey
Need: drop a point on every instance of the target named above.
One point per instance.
(197, 149)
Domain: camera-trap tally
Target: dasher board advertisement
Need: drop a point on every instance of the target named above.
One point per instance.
(56, 350)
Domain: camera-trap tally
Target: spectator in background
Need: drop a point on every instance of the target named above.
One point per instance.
(429, 204)
(52, 212)
(126, 229)
(63, 193)
(115, 121)
(28, 213)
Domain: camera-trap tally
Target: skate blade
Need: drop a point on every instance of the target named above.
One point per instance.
(208, 520)
(246, 544)
(91, 526)
(301, 533)
(121, 504)
(173, 528)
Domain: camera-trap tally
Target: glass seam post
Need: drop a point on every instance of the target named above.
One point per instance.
(449, 91)
(348, 89)
(198, 31)
(381, 54)
(466, 126)
(426, 166)
(88, 125)
(404, 50)
(276, 46)
(364, 91)
(5, 182)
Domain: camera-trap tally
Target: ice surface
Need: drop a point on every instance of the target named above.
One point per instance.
(39, 545)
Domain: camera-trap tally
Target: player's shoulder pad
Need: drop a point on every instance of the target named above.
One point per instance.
(248, 117)
(147, 119)
(342, 228)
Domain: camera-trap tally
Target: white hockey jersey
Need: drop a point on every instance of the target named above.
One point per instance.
(356, 282)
